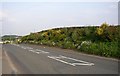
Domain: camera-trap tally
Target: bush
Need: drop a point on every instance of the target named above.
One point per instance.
(100, 40)
(108, 49)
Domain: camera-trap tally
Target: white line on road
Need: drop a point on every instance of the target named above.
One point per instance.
(60, 57)
(31, 50)
(60, 60)
(10, 62)
(90, 64)
(39, 51)
(79, 62)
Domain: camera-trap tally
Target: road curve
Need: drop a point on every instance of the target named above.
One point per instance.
(34, 59)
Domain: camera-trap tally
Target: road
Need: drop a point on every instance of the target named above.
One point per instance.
(34, 59)
(0, 59)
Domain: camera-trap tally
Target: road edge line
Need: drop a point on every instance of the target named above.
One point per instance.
(10, 62)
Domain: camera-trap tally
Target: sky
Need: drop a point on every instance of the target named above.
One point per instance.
(22, 18)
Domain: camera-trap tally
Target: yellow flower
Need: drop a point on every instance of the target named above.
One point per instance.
(99, 31)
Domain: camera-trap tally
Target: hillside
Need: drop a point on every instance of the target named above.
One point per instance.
(9, 37)
(101, 40)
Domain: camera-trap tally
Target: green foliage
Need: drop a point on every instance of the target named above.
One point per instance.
(9, 37)
(107, 33)
(108, 49)
(100, 40)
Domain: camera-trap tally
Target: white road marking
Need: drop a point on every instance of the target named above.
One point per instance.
(29, 48)
(38, 51)
(80, 62)
(90, 64)
(60, 60)
(23, 47)
(26, 47)
(41, 51)
(11, 64)
(32, 50)
(77, 60)
(15, 44)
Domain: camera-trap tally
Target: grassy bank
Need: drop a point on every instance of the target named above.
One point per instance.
(103, 40)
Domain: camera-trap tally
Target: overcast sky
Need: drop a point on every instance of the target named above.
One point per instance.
(21, 18)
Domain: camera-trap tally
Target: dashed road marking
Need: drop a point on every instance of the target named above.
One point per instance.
(32, 50)
(37, 52)
(41, 51)
(59, 58)
(26, 47)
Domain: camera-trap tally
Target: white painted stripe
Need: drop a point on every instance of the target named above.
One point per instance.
(23, 47)
(60, 60)
(37, 52)
(45, 52)
(29, 48)
(80, 62)
(32, 50)
(41, 51)
(11, 64)
(89, 64)
(77, 60)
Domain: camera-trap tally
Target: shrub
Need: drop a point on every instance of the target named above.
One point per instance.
(100, 40)
(108, 49)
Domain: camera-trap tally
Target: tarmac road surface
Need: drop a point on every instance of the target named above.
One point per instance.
(34, 59)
